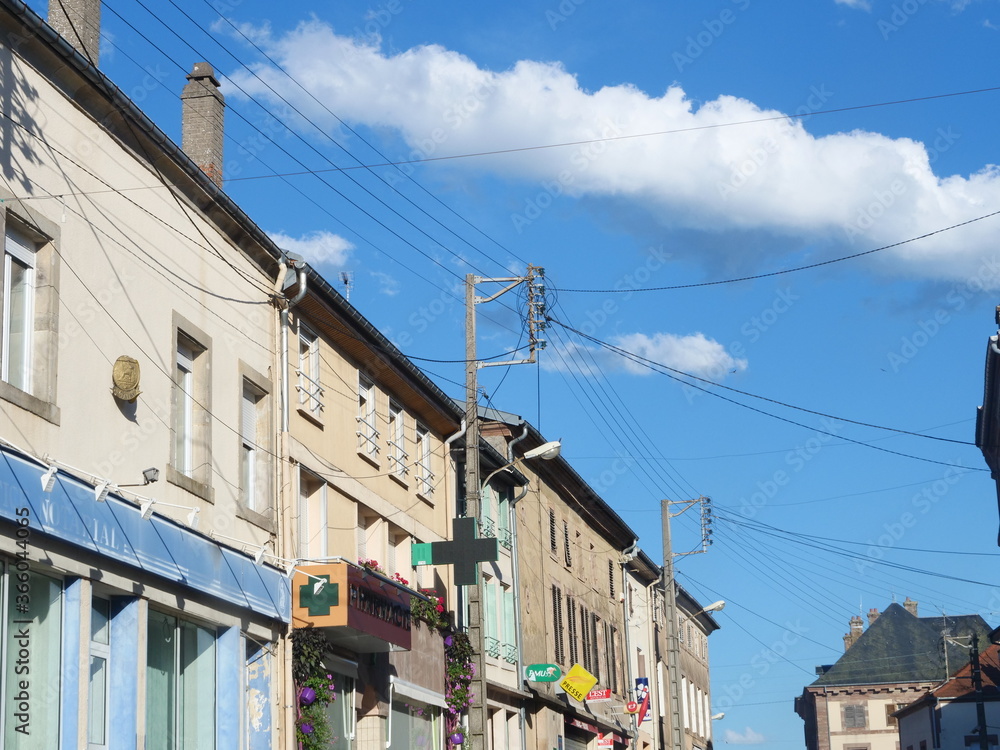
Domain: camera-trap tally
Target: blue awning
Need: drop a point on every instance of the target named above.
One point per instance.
(158, 546)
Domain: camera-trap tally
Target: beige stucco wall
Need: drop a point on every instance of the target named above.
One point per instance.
(123, 278)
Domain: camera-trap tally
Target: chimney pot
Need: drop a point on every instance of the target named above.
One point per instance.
(872, 615)
(911, 606)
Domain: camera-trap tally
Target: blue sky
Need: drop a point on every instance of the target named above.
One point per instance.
(705, 179)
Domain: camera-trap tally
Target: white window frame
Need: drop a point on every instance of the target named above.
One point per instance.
(18, 247)
(311, 523)
(425, 477)
(251, 403)
(309, 387)
(368, 433)
(184, 415)
(398, 457)
(101, 650)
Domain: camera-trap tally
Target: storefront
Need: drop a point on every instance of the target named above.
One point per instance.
(122, 625)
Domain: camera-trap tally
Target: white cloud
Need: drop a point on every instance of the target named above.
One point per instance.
(694, 354)
(837, 194)
(862, 4)
(748, 737)
(317, 248)
(388, 285)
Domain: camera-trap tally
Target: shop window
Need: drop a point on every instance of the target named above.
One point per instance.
(180, 684)
(414, 725)
(99, 686)
(340, 714)
(32, 654)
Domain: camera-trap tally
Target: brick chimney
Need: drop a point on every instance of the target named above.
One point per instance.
(872, 616)
(911, 606)
(79, 23)
(202, 113)
(857, 628)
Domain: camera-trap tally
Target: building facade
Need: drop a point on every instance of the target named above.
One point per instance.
(137, 410)
(892, 663)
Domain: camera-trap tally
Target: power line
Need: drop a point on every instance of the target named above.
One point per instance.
(738, 279)
(693, 128)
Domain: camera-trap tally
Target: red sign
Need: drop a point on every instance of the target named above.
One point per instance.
(598, 695)
(631, 707)
(583, 725)
(605, 741)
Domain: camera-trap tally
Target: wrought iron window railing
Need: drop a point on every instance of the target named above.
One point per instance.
(368, 437)
(310, 392)
(492, 647)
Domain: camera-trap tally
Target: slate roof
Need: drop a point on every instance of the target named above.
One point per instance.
(899, 647)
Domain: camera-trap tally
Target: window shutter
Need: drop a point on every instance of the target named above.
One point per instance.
(611, 577)
(571, 606)
(509, 635)
(248, 425)
(552, 530)
(491, 609)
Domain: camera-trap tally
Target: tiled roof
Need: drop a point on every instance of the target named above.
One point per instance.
(961, 684)
(899, 647)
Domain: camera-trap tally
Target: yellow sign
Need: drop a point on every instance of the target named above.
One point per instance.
(578, 682)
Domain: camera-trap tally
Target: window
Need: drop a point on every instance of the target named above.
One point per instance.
(571, 611)
(567, 553)
(340, 713)
(312, 516)
(398, 457)
(425, 477)
(367, 432)
(29, 312)
(595, 657)
(585, 639)
(42, 622)
(557, 625)
(310, 390)
(415, 724)
(552, 531)
(611, 578)
(100, 654)
(855, 716)
(504, 533)
(492, 642)
(180, 684)
(487, 527)
(18, 309)
(249, 448)
(191, 460)
(890, 709)
(509, 637)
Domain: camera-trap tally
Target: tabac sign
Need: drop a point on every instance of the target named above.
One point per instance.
(357, 609)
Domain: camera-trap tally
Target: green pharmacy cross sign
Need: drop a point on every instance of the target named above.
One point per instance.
(465, 552)
(319, 604)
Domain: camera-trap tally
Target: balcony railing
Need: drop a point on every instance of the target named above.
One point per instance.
(510, 653)
(398, 459)
(506, 538)
(368, 437)
(487, 528)
(492, 647)
(311, 393)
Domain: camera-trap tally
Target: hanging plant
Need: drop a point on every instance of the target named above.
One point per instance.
(314, 689)
(429, 610)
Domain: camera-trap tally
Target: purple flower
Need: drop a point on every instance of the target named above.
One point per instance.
(306, 728)
(449, 642)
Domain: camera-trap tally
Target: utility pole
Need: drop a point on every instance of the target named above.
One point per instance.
(977, 683)
(675, 697)
(536, 323)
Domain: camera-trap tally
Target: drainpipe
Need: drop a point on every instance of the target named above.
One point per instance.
(512, 443)
(284, 492)
(628, 554)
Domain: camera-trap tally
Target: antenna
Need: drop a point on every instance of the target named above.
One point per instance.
(347, 279)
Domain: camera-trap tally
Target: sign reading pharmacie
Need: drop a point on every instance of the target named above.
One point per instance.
(357, 609)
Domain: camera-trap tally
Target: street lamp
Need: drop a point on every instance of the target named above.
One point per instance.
(545, 451)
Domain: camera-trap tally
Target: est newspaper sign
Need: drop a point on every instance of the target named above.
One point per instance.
(578, 682)
(599, 695)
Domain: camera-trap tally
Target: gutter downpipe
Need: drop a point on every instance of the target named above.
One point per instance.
(284, 514)
(628, 554)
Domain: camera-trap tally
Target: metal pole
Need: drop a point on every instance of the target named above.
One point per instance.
(477, 711)
(675, 698)
(977, 683)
